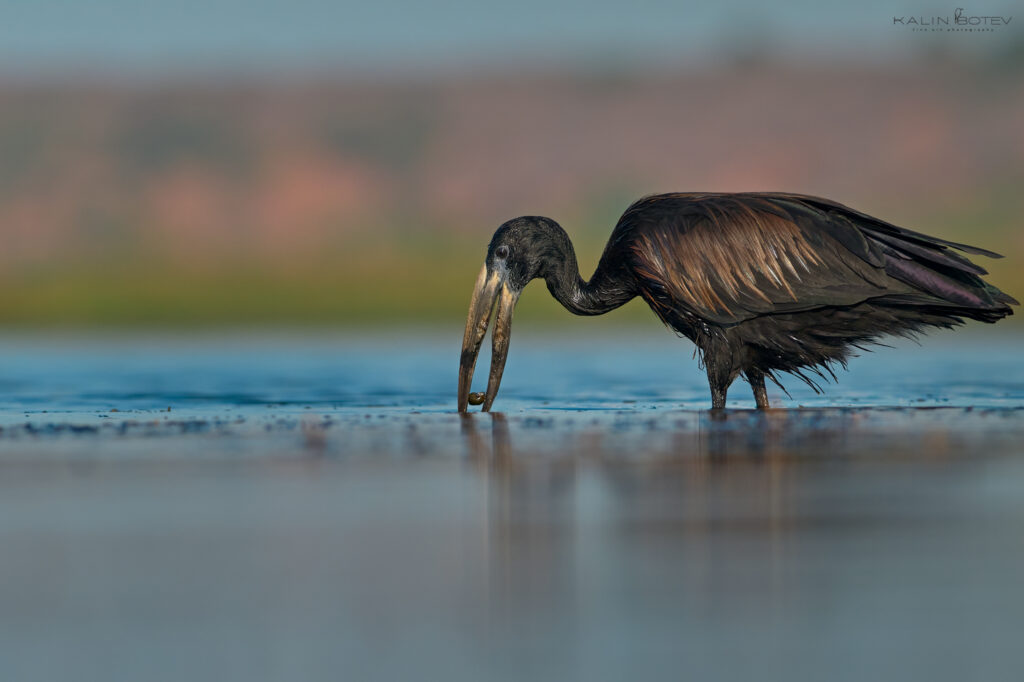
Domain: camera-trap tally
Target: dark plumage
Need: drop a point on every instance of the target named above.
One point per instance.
(762, 283)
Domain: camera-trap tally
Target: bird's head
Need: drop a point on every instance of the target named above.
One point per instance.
(521, 250)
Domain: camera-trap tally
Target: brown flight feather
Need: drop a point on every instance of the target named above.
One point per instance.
(725, 245)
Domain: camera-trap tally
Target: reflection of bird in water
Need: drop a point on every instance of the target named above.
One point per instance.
(762, 283)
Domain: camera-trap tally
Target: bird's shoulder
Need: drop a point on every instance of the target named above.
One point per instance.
(747, 214)
(747, 229)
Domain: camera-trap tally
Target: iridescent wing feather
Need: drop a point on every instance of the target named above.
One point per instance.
(728, 258)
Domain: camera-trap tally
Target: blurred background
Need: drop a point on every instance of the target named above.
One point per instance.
(345, 164)
(223, 458)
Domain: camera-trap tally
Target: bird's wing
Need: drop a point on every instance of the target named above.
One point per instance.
(930, 264)
(730, 257)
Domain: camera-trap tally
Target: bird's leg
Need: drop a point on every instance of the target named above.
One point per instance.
(756, 380)
(719, 378)
(718, 393)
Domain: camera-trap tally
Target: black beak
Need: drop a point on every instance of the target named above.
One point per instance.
(491, 286)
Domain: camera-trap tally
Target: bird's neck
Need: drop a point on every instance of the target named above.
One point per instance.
(607, 289)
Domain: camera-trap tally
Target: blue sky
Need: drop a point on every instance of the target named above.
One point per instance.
(188, 35)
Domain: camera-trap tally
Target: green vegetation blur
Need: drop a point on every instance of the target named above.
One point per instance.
(351, 202)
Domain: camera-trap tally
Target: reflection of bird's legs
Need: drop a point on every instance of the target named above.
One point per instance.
(756, 380)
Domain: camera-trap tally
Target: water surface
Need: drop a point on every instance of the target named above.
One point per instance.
(304, 506)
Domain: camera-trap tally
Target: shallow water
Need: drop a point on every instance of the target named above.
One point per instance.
(310, 507)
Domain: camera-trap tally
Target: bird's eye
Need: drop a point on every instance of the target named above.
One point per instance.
(501, 252)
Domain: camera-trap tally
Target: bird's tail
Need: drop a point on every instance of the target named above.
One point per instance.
(946, 283)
